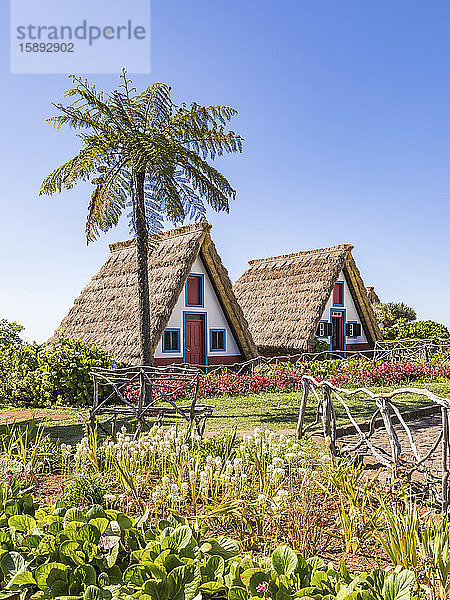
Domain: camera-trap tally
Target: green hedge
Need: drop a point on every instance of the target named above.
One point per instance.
(30, 374)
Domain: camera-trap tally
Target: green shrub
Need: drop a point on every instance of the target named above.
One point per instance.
(319, 345)
(39, 376)
(9, 332)
(84, 489)
(419, 330)
(392, 312)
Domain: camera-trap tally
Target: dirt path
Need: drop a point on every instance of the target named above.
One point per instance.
(26, 414)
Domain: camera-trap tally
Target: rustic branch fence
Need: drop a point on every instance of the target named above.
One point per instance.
(421, 350)
(326, 395)
(140, 393)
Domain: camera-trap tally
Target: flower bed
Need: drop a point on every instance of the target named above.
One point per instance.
(287, 377)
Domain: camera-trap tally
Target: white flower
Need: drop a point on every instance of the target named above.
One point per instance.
(109, 497)
(277, 474)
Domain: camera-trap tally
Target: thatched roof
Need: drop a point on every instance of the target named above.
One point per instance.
(283, 297)
(106, 312)
(372, 295)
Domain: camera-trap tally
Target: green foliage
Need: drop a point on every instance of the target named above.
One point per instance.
(390, 313)
(419, 330)
(33, 375)
(399, 538)
(85, 488)
(77, 553)
(414, 542)
(26, 451)
(9, 333)
(348, 484)
(319, 345)
(135, 143)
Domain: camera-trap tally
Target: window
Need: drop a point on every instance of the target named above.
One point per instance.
(171, 340)
(194, 290)
(353, 329)
(325, 329)
(217, 340)
(338, 294)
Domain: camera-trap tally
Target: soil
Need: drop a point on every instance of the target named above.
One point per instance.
(24, 415)
(48, 488)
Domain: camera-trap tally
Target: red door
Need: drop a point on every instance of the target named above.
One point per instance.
(194, 340)
(338, 342)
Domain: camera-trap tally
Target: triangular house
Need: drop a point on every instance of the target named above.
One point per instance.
(290, 300)
(194, 314)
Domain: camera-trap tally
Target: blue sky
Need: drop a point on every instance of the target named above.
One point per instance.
(344, 106)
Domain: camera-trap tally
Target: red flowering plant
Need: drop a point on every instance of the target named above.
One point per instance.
(287, 377)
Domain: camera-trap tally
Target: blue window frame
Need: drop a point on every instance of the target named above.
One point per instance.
(338, 293)
(171, 340)
(201, 281)
(217, 340)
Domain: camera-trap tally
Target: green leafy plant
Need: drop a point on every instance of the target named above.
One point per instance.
(32, 374)
(358, 517)
(9, 333)
(434, 541)
(96, 554)
(85, 488)
(390, 313)
(419, 330)
(399, 537)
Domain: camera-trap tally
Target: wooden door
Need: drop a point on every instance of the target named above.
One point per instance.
(338, 341)
(194, 340)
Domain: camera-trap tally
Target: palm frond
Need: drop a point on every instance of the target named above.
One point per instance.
(154, 105)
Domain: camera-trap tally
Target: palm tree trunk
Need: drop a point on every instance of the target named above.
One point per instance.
(145, 345)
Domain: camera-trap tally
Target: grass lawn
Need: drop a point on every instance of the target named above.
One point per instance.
(279, 410)
(276, 411)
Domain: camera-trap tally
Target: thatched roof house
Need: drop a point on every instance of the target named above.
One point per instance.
(290, 299)
(194, 314)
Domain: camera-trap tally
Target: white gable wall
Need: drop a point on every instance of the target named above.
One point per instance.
(351, 313)
(215, 319)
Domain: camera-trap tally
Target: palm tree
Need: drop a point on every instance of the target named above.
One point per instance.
(143, 151)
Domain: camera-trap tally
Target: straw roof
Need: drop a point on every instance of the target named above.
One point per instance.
(283, 297)
(372, 295)
(106, 312)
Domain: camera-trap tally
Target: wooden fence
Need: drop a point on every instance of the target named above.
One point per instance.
(325, 396)
(140, 393)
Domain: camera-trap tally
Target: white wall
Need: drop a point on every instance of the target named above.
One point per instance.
(350, 312)
(215, 318)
